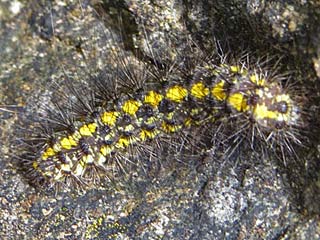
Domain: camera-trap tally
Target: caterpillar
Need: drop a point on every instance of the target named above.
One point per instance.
(99, 131)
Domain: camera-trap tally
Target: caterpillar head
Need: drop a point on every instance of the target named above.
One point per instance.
(274, 108)
(268, 109)
(264, 102)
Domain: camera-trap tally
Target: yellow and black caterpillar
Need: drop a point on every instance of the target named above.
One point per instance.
(247, 100)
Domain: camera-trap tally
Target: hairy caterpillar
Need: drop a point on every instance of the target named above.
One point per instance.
(98, 133)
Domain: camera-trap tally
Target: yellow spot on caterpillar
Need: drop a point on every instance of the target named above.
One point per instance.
(195, 111)
(170, 115)
(106, 150)
(146, 134)
(256, 80)
(238, 69)
(68, 143)
(131, 106)
(87, 129)
(76, 136)
(92, 127)
(238, 102)
(176, 93)
(65, 143)
(153, 98)
(73, 141)
(35, 165)
(219, 92)
(262, 112)
(283, 97)
(48, 153)
(235, 69)
(123, 142)
(213, 70)
(110, 118)
(169, 128)
(224, 66)
(150, 120)
(188, 122)
(199, 90)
